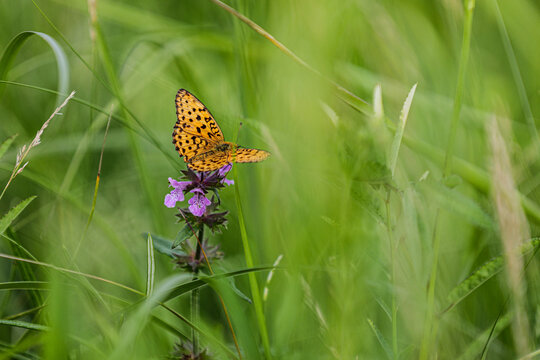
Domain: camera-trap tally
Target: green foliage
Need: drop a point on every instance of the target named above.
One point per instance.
(7, 219)
(377, 216)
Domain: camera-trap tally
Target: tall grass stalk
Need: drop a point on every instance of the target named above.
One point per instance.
(395, 349)
(257, 302)
(25, 150)
(516, 74)
(513, 229)
(430, 329)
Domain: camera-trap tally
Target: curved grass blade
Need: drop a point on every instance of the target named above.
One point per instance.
(6, 144)
(203, 280)
(483, 274)
(394, 151)
(60, 269)
(61, 60)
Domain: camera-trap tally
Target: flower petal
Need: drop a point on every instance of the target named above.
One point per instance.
(205, 201)
(170, 201)
(173, 197)
(224, 170)
(197, 191)
(227, 181)
(181, 185)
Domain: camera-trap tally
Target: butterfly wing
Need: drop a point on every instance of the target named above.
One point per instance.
(195, 131)
(209, 161)
(244, 155)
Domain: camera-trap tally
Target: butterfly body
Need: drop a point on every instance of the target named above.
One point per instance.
(199, 140)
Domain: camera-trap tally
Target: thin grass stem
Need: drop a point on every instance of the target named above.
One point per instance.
(395, 349)
(429, 336)
(257, 302)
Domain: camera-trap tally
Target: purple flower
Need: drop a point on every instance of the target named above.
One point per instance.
(198, 203)
(199, 184)
(223, 172)
(177, 194)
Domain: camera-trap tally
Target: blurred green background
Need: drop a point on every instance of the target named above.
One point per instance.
(371, 262)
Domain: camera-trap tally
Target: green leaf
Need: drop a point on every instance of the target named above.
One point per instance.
(238, 292)
(183, 235)
(381, 339)
(151, 266)
(165, 246)
(61, 60)
(13, 213)
(6, 144)
(483, 274)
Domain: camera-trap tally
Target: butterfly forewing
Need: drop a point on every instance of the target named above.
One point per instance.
(195, 130)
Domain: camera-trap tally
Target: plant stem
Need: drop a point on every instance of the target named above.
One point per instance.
(261, 321)
(199, 245)
(195, 295)
(429, 327)
(395, 349)
(464, 58)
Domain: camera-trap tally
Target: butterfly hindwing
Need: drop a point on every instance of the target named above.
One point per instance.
(244, 155)
(211, 160)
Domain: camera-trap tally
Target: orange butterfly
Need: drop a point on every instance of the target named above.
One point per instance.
(198, 138)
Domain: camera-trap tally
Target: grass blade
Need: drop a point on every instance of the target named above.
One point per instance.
(7, 219)
(203, 280)
(6, 144)
(68, 271)
(61, 60)
(151, 266)
(24, 285)
(474, 349)
(394, 151)
(255, 294)
(24, 325)
(381, 339)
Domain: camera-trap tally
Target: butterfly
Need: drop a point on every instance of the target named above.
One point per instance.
(198, 138)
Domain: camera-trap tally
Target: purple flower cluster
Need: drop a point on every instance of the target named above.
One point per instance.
(198, 184)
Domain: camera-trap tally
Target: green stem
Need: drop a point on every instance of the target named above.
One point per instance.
(395, 349)
(261, 321)
(195, 309)
(464, 58)
(429, 326)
